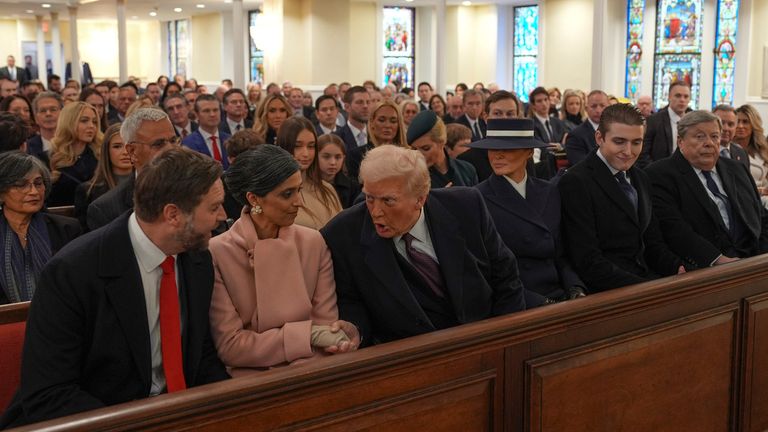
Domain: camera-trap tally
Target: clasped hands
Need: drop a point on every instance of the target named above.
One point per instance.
(339, 337)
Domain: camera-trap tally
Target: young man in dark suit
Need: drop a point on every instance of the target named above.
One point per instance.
(419, 260)
(473, 106)
(661, 131)
(548, 129)
(108, 323)
(611, 234)
(208, 139)
(708, 207)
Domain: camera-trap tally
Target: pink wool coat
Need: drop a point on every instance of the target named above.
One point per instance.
(267, 294)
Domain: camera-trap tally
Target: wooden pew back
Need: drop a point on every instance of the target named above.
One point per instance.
(682, 353)
(13, 319)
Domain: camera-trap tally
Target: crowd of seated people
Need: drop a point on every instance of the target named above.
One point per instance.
(364, 216)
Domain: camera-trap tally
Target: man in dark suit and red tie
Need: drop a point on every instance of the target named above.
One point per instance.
(708, 206)
(208, 139)
(411, 260)
(122, 313)
(611, 234)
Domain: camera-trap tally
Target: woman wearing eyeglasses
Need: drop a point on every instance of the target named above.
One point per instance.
(28, 237)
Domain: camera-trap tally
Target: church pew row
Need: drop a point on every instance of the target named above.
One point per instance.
(13, 318)
(681, 353)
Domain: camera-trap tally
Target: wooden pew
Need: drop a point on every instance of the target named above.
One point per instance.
(686, 353)
(13, 319)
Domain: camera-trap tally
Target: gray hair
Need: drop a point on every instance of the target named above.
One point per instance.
(693, 118)
(16, 165)
(46, 95)
(389, 161)
(133, 123)
(259, 171)
(724, 107)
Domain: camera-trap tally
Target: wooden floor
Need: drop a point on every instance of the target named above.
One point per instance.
(687, 353)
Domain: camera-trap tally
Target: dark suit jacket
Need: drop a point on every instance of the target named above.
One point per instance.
(112, 116)
(347, 189)
(609, 244)
(224, 126)
(530, 227)
(557, 126)
(737, 153)
(87, 77)
(111, 205)
(89, 314)
(479, 271)
(690, 220)
(196, 142)
(61, 230)
(580, 142)
(21, 74)
(479, 159)
(657, 143)
(483, 127)
(345, 133)
(35, 146)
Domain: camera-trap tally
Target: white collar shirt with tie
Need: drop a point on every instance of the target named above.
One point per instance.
(234, 126)
(422, 241)
(361, 135)
(673, 119)
(207, 139)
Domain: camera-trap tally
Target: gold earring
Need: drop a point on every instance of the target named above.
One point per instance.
(256, 210)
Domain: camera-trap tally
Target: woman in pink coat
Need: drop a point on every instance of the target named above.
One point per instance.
(274, 296)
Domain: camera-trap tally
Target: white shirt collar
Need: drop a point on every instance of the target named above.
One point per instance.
(673, 116)
(233, 125)
(148, 255)
(325, 129)
(594, 125)
(541, 119)
(207, 136)
(605, 161)
(419, 229)
(519, 187)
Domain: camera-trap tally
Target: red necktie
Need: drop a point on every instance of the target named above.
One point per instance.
(184, 133)
(170, 328)
(216, 152)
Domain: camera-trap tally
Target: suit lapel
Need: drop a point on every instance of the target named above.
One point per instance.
(697, 189)
(506, 197)
(123, 288)
(644, 201)
(449, 247)
(609, 185)
(191, 308)
(668, 131)
(380, 259)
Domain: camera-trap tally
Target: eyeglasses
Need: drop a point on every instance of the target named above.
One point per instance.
(160, 143)
(26, 186)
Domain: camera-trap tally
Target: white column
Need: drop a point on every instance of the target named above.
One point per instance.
(75, 61)
(505, 28)
(41, 71)
(379, 28)
(56, 57)
(440, 47)
(765, 75)
(598, 32)
(272, 35)
(122, 41)
(238, 45)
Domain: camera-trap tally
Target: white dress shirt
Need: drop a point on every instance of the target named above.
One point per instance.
(673, 119)
(149, 257)
(519, 187)
(208, 143)
(233, 125)
(721, 205)
(422, 240)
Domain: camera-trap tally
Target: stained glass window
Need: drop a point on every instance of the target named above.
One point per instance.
(398, 46)
(632, 86)
(725, 50)
(178, 42)
(678, 48)
(256, 41)
(526, 39)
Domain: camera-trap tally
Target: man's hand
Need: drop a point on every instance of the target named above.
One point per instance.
(351, 331)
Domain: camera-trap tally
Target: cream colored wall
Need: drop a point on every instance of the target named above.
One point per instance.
(470, 54)
(297, 52)
(362, 44)
(11, 44)
(759, 38)
(205, 31)
(566, 55)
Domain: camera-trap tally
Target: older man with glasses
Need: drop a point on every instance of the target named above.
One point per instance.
(146, 133)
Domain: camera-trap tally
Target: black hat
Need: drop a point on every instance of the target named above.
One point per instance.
(421, 124)
(509, 134)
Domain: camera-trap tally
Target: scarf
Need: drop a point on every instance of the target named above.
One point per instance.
(575, 119)
(20, 267)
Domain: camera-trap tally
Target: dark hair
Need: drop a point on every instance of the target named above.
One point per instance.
(242, 141)
(352, 91)
(537, 91)
(178, 176)
(424, 83)
(13, 132)
(129, 84)
(15, 165)
(232, 91)
(5, 105)
(678, 83)
(108, 84)
(204, 98)
(53, 77)
(461, 86)
(259, 171)
(323, 98)
(167, 86)
(626, 114)
(174, 96)
(499, 96)
(286, 139)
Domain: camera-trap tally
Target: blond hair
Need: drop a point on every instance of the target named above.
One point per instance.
(397, 162)
(399, 139)
(62, 153)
